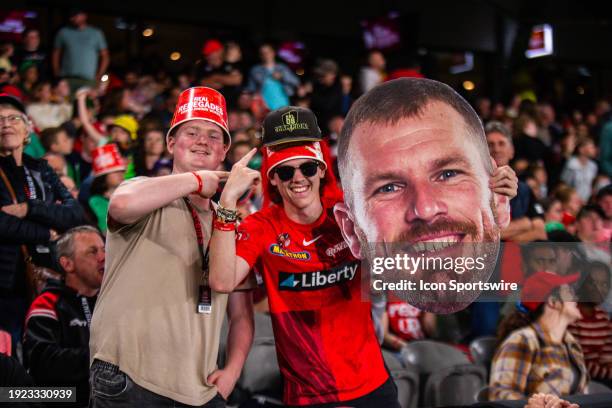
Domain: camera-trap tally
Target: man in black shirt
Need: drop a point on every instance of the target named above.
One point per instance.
(30, 51)
(214, 72)
(56, 340)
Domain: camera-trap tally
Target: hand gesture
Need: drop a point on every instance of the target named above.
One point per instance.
(240, 180)
(504, 181)
(210, 181)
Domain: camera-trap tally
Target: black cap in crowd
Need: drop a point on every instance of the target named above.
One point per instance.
(13, 101)
(290, 124)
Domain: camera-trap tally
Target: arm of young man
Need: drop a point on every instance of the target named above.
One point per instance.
(134, 200)
(226, 269)
(239, 340)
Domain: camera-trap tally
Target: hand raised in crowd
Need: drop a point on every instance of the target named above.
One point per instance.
(210, 181)
(504, 181)
(548, 401)
(240, 180)
(224, 380)
(82, 93)
(17, 210)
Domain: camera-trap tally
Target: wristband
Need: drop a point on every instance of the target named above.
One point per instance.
(224, 226)
(200, 184)
(225, 215)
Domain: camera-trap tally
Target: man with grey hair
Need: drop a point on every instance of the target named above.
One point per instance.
(56, 340)
(419, 181)
(522, 228)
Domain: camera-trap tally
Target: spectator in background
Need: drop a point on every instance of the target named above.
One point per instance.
(218, 73)
(57, 162)
(571, 204)
(553, 214)
(150, 149)
(80, 53)
(537, 179)
(123, 130)
(594, 330)
(605, 148)
(580, 170)
(589, 223)
(483, 108)
(528, 146)
(524, 225)
(43, 111)
(30, 50)
(28, 74)
(165, 108)
(7, 49)
(32, 207)
(326, 98)
(373, 73)
(604, 200)
(273, 80)
(108, 171)
(56, 340)
(346, 82)
(56, 140)
(61, 93)
(536, 352)
(403, 323)
(238, 150)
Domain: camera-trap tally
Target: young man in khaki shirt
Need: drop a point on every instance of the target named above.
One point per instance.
(155, 331)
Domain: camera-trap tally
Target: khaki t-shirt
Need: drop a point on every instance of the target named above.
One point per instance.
(145, 319)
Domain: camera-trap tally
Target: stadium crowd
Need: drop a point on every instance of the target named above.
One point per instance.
(72, 132)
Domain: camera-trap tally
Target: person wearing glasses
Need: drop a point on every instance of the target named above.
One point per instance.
(327, 350)
(34, 206)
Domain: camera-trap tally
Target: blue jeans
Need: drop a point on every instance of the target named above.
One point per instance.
(112, 388)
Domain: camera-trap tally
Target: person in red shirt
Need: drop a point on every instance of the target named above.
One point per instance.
(594, 330)
(403, 323)
(327, 349)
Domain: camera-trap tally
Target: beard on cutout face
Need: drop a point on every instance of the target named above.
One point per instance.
(440, 262)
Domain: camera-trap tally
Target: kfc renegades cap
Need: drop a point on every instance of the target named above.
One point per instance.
(538, 287)
(201, 103)
(290, 124)
(278, 155)
(106, 159)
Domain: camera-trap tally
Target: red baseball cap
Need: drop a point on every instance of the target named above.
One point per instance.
(304, 151)
(538, 287)
(211, 46)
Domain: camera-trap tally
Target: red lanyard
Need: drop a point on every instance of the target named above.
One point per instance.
(197, 225)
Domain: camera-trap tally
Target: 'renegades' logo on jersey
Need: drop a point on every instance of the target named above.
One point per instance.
(317, 279)
(276, 249)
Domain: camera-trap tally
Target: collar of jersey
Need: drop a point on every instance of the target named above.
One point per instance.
(294, 224)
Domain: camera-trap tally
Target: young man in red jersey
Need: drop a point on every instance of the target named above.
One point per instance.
(327, 349)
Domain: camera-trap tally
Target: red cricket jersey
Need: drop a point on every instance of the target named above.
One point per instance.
(325, 341)
(405, 320)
